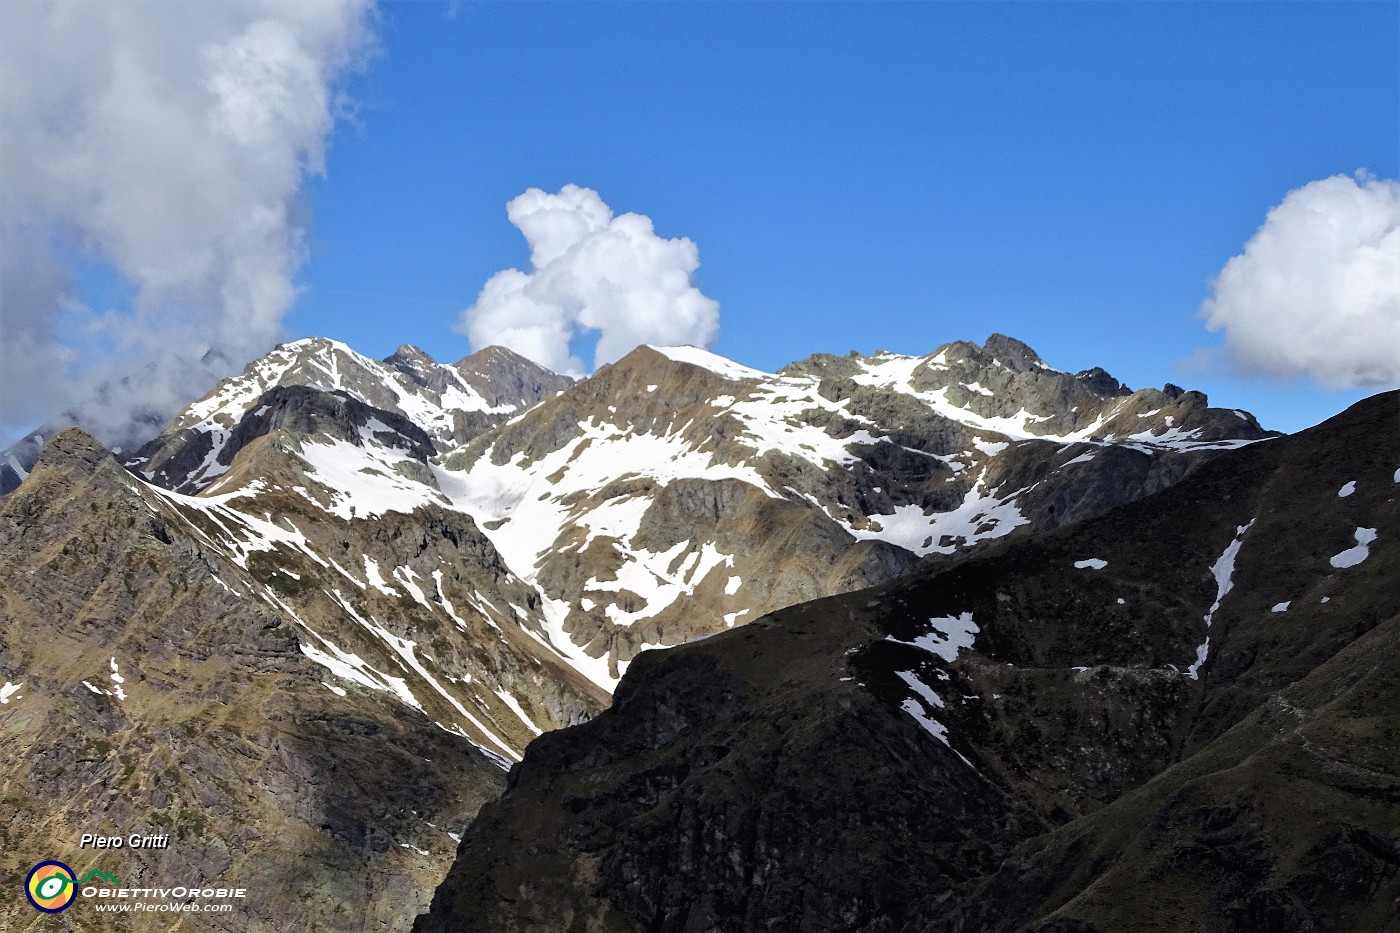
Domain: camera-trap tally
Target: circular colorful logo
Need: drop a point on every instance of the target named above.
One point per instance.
(50, 887)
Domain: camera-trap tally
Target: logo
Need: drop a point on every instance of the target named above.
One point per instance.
(50, 887)
(101, 875)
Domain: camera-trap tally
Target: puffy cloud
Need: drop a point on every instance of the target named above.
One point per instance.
(1316, 291)
(591, 271)
(167, 143)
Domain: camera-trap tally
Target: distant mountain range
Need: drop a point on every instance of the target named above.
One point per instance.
(309, 625)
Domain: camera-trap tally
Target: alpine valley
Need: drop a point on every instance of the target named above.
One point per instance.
(958, 642)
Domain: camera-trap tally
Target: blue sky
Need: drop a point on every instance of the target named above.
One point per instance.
(855, 176)
(861, 176)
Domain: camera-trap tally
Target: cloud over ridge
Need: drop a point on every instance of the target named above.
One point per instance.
(1316, 292)
(168, 144)
(591, 271)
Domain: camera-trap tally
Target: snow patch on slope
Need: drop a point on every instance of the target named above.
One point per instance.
(947, 636)
(920, 707)
(980, 517)
(713, 362)
(554, 491)
(595, 669)
(1224, 572)
(919, 711)
(1352, 556)
(362, 482)
(117, 681)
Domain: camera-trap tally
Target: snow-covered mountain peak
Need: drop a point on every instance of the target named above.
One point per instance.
(1004, 391)
(450, 404)
(409, 381)
(715, 363)
(318, 362)
(493, 380)
(408, 353)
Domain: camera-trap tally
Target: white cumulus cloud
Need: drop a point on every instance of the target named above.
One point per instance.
(1316, 292)
(590, 272)
(166, 146)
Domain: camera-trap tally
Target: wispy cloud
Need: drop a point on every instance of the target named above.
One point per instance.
(1316, 292)
(590, 271)
(168, 142)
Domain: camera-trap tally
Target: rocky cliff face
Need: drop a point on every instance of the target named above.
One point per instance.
(1175, 715)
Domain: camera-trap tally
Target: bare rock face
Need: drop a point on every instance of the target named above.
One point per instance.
(190, 460)
(1098, 381)
(1175, 715)
(504, 377)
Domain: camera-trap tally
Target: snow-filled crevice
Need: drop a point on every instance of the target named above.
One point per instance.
(1224, 572)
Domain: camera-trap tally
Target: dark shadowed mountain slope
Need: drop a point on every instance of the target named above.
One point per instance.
(1289, 821)
(1178, 715)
